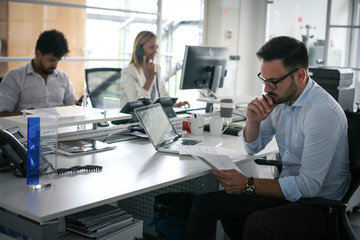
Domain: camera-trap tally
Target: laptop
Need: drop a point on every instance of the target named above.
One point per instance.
(159, 129)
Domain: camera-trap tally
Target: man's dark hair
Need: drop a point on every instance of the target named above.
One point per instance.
(291, 51)
(52, 42)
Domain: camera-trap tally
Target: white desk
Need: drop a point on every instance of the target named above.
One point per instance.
(131, 169)
(238, 100)
(67, 116)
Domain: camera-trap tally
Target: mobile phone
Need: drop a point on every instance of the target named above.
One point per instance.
(140, 53)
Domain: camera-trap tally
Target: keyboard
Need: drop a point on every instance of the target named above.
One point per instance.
(182, 141)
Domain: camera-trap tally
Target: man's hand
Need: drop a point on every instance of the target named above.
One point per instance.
(232, 180)
(259, 109)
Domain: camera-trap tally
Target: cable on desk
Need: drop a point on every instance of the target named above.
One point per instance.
(240, 111)
(74, 169)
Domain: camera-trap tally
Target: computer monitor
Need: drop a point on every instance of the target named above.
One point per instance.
(204, 67)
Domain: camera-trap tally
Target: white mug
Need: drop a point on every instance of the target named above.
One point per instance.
(197, 125)
(216, 126)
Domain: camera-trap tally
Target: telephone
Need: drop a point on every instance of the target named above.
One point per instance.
(167, 104)
(129, 108)
(140, 52)
(13, 147)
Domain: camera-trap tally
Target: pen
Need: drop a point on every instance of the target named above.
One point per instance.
(266, 99)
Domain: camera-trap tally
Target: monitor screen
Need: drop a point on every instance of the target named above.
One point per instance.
(204, 67)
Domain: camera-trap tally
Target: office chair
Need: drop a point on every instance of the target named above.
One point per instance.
(102, 82)
(344, 215)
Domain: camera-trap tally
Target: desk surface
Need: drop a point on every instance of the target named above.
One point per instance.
(238, 100)
(67, 116)
(134, 167)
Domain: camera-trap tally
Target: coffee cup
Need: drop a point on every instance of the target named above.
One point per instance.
(197, 125)
(217, 126)
(226, 108)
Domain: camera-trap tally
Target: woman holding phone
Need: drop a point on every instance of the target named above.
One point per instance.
(141, 78)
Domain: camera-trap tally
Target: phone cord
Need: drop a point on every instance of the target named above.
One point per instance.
(157, 84)
(74, 169)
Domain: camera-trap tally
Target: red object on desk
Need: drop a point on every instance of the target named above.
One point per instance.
(186, 125)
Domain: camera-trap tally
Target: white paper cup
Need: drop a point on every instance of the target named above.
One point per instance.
(197, 125)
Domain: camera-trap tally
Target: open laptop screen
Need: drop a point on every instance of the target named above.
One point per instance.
(156, 124)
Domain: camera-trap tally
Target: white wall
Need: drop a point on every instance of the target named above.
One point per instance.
(291, 17)
(221, 27)
(251, 38)
(246, 20)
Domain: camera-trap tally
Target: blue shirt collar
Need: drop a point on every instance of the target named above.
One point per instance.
(301, 99)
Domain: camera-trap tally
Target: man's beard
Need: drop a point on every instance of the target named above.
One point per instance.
(288, 95)
(47, 71)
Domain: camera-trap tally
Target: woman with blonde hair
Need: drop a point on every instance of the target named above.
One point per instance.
(141, 78)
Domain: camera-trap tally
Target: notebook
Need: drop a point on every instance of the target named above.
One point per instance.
(159, 129)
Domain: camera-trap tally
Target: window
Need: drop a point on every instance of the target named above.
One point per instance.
(100, 33)
(343, 42)
(330, 28)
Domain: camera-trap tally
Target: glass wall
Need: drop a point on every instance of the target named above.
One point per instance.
(108, 29)
(110, 34)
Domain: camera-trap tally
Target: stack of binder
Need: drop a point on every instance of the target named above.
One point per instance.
(99, 223)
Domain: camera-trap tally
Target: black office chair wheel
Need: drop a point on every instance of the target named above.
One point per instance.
(358, 107)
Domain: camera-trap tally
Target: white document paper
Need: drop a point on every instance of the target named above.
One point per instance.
(210, 149)
(211, 157)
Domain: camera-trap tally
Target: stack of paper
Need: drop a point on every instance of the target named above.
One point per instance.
(216, 158)
(99, 223)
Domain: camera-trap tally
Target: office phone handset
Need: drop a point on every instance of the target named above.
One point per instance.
(139, 52)
(12, 146)
(167, 103)
(13, 150)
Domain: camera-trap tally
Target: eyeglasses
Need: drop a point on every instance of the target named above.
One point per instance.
(272, 84)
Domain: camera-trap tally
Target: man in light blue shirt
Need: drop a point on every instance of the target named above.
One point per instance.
(312, 139)
(311, 132)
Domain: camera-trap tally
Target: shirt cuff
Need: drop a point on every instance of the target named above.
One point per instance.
(144, 93)
(251, 148)
(289, 188)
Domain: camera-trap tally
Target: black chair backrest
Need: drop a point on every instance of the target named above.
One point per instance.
(354, 151)
(102, 82)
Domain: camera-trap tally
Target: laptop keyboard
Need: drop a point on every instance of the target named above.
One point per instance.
(182, 141)
(188, 141)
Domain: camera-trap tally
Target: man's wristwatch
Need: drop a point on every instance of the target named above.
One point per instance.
(250, 187)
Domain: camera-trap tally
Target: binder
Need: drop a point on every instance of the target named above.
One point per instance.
(99, 223)
(231, 130)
